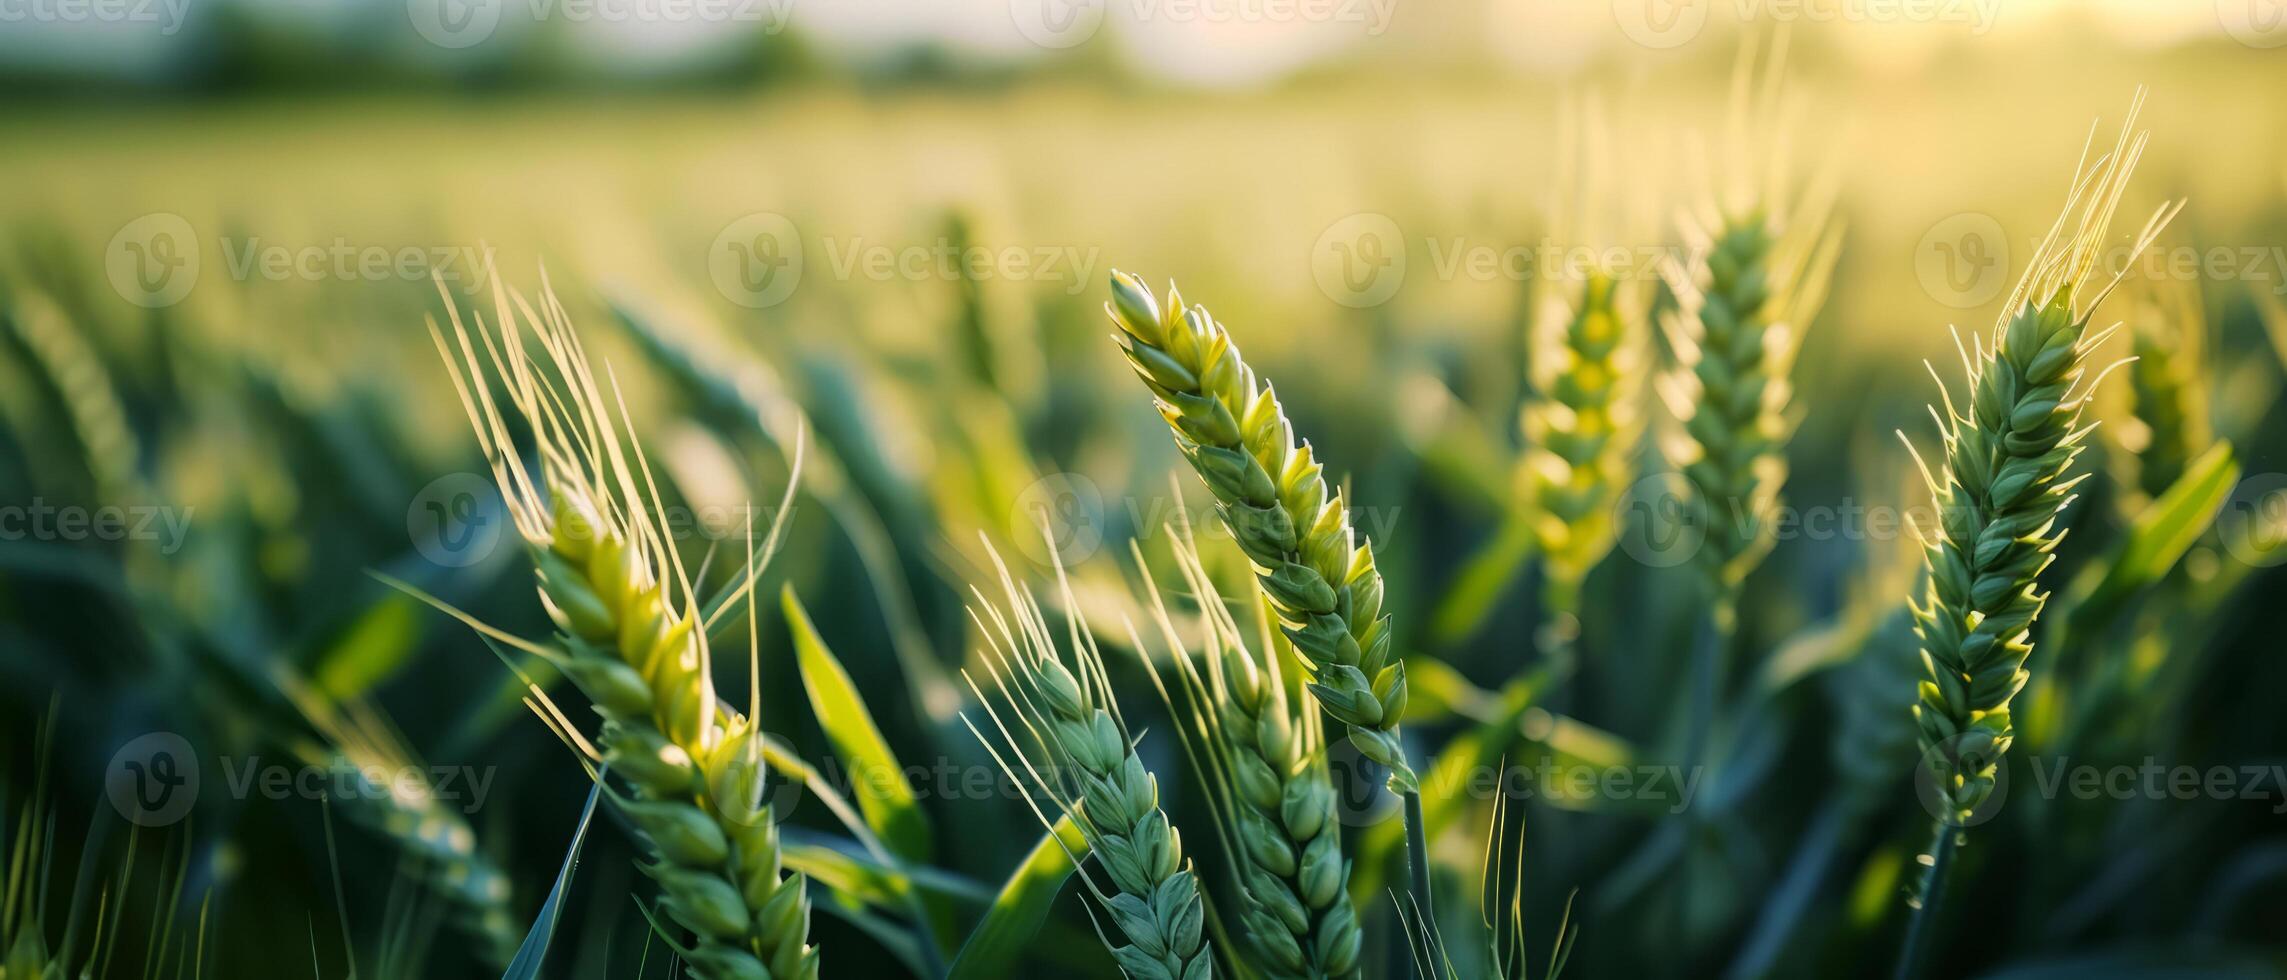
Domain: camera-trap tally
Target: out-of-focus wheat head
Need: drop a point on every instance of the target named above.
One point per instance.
(2003, 481)
(2167, 424)
(438, 843)
(1760, 251)
(1586, 340)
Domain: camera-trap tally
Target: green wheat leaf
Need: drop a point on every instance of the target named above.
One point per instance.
(996, 945)
(2160, 535)
(883, 794)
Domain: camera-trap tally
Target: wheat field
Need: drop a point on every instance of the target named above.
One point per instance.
(1796, 497)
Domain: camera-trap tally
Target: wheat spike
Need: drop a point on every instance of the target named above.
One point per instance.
(1061, 725)
(404, 809)
(1264, 764)
(1759, 263)
(2004, 483)
(1320, 579)
(1580, 425)
(633, 639)
(2165, 384)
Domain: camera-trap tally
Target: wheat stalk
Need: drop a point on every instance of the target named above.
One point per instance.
(1264, 765)
(633, 639)
(1999, 495)
(1321, 580)
(1500, 912)
(1076, 748)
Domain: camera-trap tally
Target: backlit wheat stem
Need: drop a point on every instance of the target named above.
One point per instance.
(1061, 725)
(631, 637)
(1999, 493)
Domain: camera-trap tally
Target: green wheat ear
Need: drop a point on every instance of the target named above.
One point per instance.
(2004, 484)
(1272, 494)
(2167, 393)
(1581, 426)
(1076, 750)
(1262, 759)
(438, 840)
(1759, 261)
(633, 639)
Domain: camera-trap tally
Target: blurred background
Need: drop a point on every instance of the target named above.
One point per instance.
(886, 227)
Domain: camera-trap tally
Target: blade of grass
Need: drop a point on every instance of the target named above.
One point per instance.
(883, 794)
(526, 965)
(993, 948)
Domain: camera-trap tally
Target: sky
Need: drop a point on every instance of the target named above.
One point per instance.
(1207, 43)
